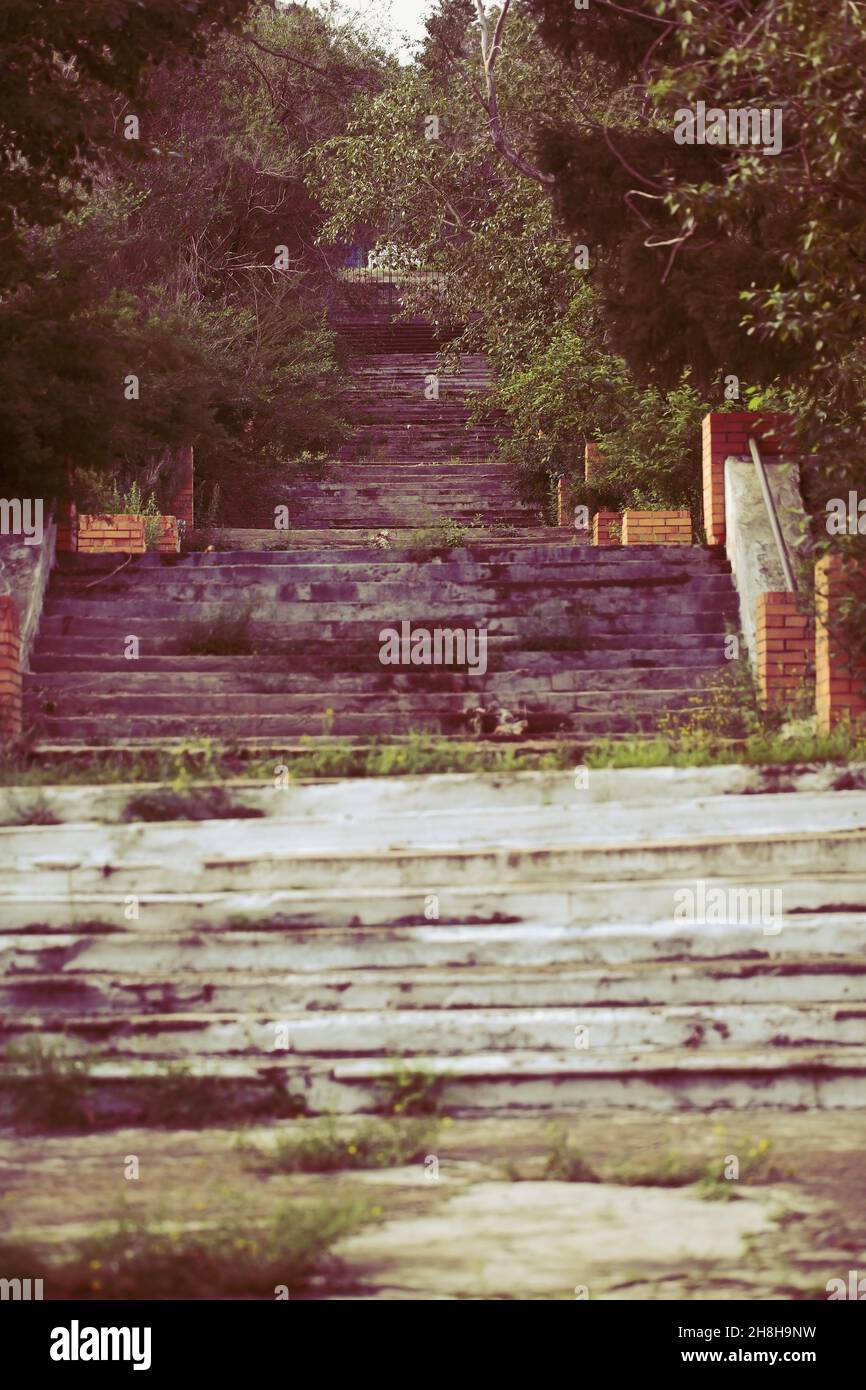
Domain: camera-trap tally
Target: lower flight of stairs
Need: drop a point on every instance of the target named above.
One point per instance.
(579, 642)
(515, 943)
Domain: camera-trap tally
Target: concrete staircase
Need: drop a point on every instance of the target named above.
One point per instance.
(405, 497)
(394, 418)
(581, 642)
(520, 942)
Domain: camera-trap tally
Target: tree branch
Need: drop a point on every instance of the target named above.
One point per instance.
(292, 58)
(489, 53)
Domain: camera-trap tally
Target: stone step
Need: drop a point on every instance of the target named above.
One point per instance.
(42, 1000)
(637, 624)
(710, 1029)
(441, 796)
(148, 857)
(619, 611)
(383, 702)
(62, 656)
(501, 551)
(466, 472)
(380, 724)
(792, 1077)
(357, 543)
(440, 583)
(391, 570)
(293, 931)
(129, 679)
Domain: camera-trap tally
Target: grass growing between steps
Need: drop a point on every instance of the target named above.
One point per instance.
(52, 1092)
(439, 537)
(763, 749)
(134, 1261)
(309, 758)
(724, 722)
(323, 1148)
(749, 1161)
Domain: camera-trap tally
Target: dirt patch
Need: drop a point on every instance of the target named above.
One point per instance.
(476, 1219)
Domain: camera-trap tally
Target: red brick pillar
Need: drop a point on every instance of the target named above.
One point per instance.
(564, 502)
(726, 433)
(785, 648)
(67, 526)
(182, 502)
(10, 670)
(840, 677)
(591, 459)
(67, 517)
(606, 528)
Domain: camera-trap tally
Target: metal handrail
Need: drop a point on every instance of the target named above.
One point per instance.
(773, 515)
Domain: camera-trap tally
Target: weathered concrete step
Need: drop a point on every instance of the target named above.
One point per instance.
(44, 998)
(444, 795)
(378, 509)
(62, 657)
(418, 478)
(390, 571)
(298, 624)
(388, 699)
(417, 446)
(664, 1080)
(801, 1078)
(357, 541)
(462, 479)
(252, 868)
(346, 602)
(431, 586)
(711, 1028)
(359, 651)
(130, 679)
(504, 552)
(199, 937)
(405, 721)
(621, 828)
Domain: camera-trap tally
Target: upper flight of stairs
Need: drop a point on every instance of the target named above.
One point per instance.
(580, 642)
(371, 331)
(519, 939)
(394, 419)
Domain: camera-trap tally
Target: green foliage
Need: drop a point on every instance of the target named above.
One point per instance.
(96, 493)
(321, 1147)
(735, 261)
(167, 265)
(574, 391)
(439, 537)
(238, 1259)
(564, 1162)
(53, 1092)
(70, 74)
(410, 1090)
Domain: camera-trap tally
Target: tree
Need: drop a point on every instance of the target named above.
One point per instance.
(70, 73)
(726, 256)
(194, 269)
